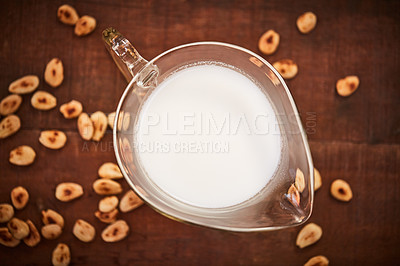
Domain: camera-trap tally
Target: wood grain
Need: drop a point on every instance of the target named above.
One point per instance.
(355, 138)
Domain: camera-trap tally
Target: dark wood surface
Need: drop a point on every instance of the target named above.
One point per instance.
(355, 138)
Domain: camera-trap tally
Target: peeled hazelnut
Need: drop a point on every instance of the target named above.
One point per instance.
(110, 119)
(51, 217)
(84, 231)
(99, 120)
(42, 100)
(308, 235)
(61, 255)
(341, 190)
(108, 204)
(9, 125)
(124, 120)
(53, 139)
(6, 212)
(317, 261)
(300, 182)
(19, 197)
(115, 231)
(109, 171)
(51, 231)
(106, 187)
(33, 237)
(10, 104)
(268, 42)
(68, 191)
(306, 22)
(85, 25)
(347, 86)
(71, 109)
(130, 201)
(18, 228)
(22, 155)
(85, 126)
(54, 73)
(317, 180)
(293, 195)
(107, 217)
(287, 68)
(6, 238)
(67, 15)
(24, 85)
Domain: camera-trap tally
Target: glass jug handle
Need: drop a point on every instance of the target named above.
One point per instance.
(124, 54)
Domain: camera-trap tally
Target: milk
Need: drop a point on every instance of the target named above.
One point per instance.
(208, 136)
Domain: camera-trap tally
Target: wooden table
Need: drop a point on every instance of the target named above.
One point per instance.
(355, 138)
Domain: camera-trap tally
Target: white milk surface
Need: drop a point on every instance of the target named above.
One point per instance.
(208, 137)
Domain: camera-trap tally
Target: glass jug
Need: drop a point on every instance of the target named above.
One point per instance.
(287, 199)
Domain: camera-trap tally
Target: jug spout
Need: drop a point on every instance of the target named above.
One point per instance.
(124, 54)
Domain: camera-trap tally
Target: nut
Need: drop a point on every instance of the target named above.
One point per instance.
(130, 201)
(124, 120)
(85, 25)
(268, 42)
(10, 104)
(99, 120)
(33, 237)
(61, 255)
(317, 180)
(107, 217)
(18, 228)
(310, 234)
(341, 190)
(256, 61)
(127, 148)
(347, 86)
(108, 204)
(51, 231)
(306, 22)
(68, 191)
(51, 217)
(106, 187)
(24, 85)
(85, 126)
(54, 72)
(109, 171)
(67, 15)
(300, 182)
(6, 212)
(317, 261)
(286, 67)
(7, 239)
(42, 100)
(9, 125)
(115, 231)
(110, 119)
(84, 231)
(19, 197)
(71, 109)
(22, 155)
(53, 139)
(293, 195)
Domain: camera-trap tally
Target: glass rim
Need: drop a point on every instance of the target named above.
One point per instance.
(179, 218)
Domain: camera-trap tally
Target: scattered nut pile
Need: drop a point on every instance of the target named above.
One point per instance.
(91, 127)
(287, 68)
(83, 25)
(53, 222)
(312, 232)
(340, 189)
